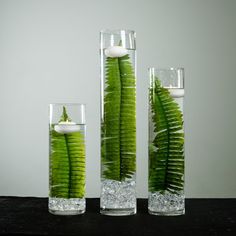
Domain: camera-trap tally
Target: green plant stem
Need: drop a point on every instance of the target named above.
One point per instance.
(69, 164)
(162, 111)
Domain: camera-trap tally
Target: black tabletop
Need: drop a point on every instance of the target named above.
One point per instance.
(29, 216)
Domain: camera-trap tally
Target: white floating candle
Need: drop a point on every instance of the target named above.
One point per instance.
(116, 51)
(176, 93)
(66, 127)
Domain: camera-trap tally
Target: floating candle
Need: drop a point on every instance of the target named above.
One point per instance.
(116, 51)
(176, 92)
(66, 127)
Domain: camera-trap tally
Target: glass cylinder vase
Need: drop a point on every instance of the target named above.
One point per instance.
(166, 142)
(67, 159)
(118, 122)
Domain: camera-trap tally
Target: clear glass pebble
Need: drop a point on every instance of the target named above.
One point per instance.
(166, 203)
(62, 206)
(118, 198)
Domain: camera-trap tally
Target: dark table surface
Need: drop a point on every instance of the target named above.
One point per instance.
(29, 216)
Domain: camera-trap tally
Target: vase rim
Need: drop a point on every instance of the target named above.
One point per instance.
(165, 68)
(68, 104)
(116, 31)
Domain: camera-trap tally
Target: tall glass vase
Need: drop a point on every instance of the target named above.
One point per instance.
(166, 142)
(67, 159)
(118, 122)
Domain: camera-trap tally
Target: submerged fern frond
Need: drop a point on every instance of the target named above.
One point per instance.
(166, 152)
(119, 127)
(67, 163)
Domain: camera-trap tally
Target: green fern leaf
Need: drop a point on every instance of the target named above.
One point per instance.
(119, 127)
(67, 163)
(166, 152)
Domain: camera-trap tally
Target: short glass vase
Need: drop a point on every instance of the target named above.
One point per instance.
(66, 159)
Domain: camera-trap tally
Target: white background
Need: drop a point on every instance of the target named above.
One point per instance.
(49, 52)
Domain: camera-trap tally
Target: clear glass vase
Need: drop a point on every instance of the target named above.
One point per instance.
(118, 122)
(67, 159)
(166, 142)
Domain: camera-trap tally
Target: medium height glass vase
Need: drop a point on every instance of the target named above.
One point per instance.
(67, 159)
(118, 122)
(166, 142)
